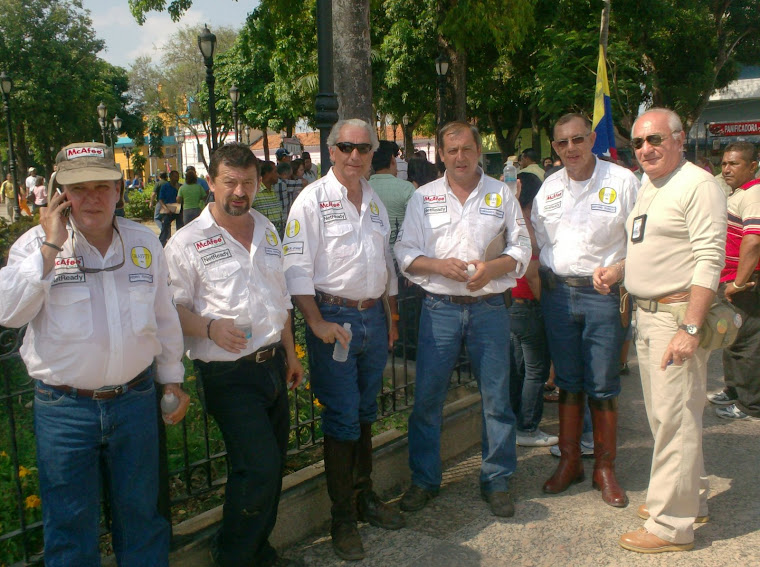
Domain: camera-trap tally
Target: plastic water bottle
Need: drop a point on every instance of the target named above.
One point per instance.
(169, 403)
(510, 177)
(243, 323)
(471, 269)
(340, 353)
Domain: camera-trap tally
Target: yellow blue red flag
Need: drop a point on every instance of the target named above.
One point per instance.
(602, 123)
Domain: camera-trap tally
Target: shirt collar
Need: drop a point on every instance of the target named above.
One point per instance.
(750, 183)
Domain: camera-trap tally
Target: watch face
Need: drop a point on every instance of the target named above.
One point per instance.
(692, 329)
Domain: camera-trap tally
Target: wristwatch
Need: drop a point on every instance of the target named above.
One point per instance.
(693, 330)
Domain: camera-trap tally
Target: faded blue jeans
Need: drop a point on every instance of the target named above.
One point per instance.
(76, 438)
(483, 328)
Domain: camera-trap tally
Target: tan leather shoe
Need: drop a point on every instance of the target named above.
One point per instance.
(643, 541)
(643, 513)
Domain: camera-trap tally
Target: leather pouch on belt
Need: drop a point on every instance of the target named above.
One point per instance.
(625, 308)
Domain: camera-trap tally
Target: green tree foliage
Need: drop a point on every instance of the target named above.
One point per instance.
(156, 136)
(49, 49)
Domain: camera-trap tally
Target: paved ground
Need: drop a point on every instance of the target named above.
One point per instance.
(575, 528)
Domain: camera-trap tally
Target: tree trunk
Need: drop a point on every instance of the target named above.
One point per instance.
(458, 80)
(351, 59)
(265, 130)
(536, 129)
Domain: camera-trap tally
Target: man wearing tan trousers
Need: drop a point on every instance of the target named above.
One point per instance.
(676, 247)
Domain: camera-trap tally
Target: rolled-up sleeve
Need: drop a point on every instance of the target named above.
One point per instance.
(169, 332)
(518, 244)
(300, 246)
(410, 242)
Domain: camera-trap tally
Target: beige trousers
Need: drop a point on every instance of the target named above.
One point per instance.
(674, 399)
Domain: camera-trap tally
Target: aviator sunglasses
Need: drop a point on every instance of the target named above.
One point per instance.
(653, 140)
(577, 141)
(348, 147)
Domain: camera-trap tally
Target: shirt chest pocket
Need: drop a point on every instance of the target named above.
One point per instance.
(227, 285)
(142, 300)
(340, 241)
(69, 313)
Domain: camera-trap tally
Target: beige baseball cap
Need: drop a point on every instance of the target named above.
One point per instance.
(86, 161)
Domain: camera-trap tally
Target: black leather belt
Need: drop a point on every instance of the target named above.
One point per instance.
(360, 304)
(463, 299)
(106, 393)
(263, 354)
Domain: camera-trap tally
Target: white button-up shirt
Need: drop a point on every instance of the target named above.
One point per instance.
(331, 247)
(93, 330)
(214, 276)
(580, 230)
(438, 225)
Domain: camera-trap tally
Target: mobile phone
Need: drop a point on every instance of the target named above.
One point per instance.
(65, 212)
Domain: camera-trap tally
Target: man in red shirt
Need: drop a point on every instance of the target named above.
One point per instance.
(740, 399)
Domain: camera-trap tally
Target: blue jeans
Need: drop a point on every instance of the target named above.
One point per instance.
(348, 390)
(483, 328)
(530, 363)
(78, 441)
(585, 336)
(249, 402)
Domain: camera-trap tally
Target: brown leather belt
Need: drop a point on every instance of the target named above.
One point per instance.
(263, 354)
(106, 393)
(463, 299)
(654, 305)
(360, 304)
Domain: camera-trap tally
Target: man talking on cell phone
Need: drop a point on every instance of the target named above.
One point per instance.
(93, 289)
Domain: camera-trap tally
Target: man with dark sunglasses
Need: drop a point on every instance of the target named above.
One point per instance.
(578, 216)
(93, 289)
(675, 251)
(339, 271)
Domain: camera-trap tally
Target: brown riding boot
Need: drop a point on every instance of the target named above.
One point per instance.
(570, 468)
(604, 417)
(368, 505)
(339, 470)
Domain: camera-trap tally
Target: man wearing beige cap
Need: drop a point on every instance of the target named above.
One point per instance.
(93, 290)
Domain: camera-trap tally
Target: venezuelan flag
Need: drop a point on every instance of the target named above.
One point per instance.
(602, 123)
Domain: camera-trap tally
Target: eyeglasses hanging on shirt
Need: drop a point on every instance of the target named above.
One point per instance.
(84, 269)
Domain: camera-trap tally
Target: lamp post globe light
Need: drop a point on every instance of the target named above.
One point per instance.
(207, 44)
(235, 97)
(7, 85)
(180, 137)
(102, 112)
(117, 122)
(247, 134)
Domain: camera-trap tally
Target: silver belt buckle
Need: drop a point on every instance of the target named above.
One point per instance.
(360, 305)
(260, 355)
(109, 392)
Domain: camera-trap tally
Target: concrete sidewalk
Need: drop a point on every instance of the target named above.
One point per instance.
(575, 528)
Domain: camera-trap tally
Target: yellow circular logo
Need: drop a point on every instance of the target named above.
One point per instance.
(141, 257)
(373, 208)
(271, 238)
(294, 227)
(493, 200)
(607, 195)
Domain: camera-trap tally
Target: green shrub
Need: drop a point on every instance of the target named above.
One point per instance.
(9, 233)
(139, 205)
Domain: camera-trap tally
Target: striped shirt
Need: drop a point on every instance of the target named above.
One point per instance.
(743, 218)
(267, 202)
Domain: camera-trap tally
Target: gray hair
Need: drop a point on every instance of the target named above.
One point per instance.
(332, 139)
(674, 121)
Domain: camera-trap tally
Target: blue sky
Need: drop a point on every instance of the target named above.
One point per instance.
(126, 40)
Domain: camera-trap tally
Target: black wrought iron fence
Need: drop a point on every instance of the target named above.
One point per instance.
(194, 459)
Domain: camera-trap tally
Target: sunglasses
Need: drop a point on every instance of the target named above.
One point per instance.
(348, 147)
(653, 140)
(577, 141)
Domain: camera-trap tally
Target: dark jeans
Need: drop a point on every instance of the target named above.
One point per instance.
(166, 226)
(529, 362)
(249, 402)
(585, 336)
(741, 360)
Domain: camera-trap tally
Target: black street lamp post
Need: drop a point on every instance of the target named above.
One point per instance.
(7, 84)
(441, 68)
(207, 43)
(117, 122)
(102, 112)
(127, 154)
(180, 137)
(405, 122)
(247, 134)
(235, 97)
(327, 100)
